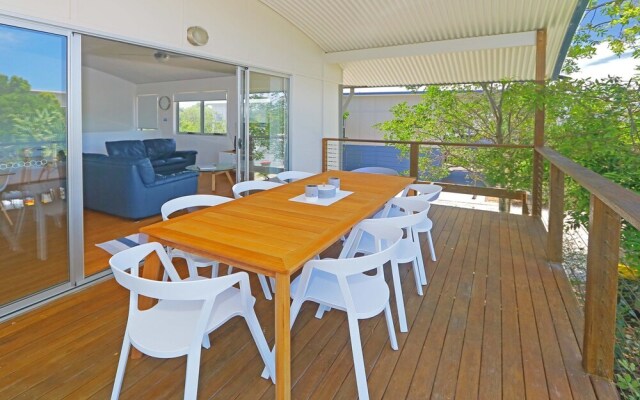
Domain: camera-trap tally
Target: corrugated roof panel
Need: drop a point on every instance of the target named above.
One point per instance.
(344, 25)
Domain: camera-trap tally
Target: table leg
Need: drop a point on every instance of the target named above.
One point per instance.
(153, 271)
(283, 337)
(213, 181)
(231, 182)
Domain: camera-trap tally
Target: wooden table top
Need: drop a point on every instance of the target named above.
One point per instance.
(267, 233)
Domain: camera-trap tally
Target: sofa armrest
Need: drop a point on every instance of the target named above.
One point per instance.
(189, 155)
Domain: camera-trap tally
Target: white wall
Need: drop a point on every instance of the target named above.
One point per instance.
(242, 32)
(367, 110)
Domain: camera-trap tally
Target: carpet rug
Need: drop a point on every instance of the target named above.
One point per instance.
(123, 243)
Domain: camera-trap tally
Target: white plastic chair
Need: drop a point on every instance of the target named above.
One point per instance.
(376, 170)
(342, 284)
(250, 186)
(291, 176)
(186, 312)
(430, 190)
(426, 192)
(185, 202)
(409, 249)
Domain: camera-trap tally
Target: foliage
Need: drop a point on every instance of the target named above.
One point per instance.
(190, 119)
(612, 22)
(268, 125)
(497, 113)
(26, 116)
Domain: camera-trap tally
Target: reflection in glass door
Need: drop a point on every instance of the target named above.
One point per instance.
(34, 255)
(268, 125)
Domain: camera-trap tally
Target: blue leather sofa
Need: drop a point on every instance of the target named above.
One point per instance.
(161, 152)
(129, 187)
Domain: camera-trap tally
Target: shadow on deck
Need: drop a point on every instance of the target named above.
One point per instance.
(496, 321)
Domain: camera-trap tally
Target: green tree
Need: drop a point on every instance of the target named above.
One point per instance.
(27, 116)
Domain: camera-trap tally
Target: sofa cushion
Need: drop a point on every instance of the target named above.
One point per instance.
(157, 163)
(126, 149)
(160, 148)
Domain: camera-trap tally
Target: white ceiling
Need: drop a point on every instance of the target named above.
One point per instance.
(385, 43)
(138, 65)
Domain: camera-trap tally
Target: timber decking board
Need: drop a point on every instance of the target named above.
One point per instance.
(496, 320)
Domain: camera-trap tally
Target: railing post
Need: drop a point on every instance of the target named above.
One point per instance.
(325, 144)
(556, 215)
(414, 157)
(538, 139)
(602, 289)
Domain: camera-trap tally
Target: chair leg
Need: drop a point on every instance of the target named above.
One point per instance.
(272, 281)
(215, 267)
(321, 310)
(191, 266)
(122, 366)
(265, 286)
(206, 343)
(431, 249)
(293, 314)
(397, 287)
(193, 370)
(417, 276)
(261, 343)
(421, 268)
(229, 270)
(358, 358)
(392, 332)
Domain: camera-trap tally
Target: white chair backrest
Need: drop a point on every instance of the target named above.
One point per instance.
(414, 204)
(291, 176)
(129, 260)
(196, 200)
(387, 238)
(248, 186)
(424, 189)
(376, 170)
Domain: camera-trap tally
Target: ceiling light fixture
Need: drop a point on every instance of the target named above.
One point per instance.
(197, 35)
(161, 56)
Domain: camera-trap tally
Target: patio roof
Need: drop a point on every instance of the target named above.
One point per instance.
(402, 42)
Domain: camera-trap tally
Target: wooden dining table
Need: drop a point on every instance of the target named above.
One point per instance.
(267, 233)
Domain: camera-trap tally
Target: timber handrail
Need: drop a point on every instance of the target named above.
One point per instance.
(623, 201)
(609, 203)
(432, 143)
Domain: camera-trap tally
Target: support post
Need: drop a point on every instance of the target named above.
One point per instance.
(414, 157)
(538, 139)
(556, 215)
(602, 289)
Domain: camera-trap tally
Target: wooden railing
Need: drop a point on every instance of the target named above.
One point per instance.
(414, 156)
(610, 203)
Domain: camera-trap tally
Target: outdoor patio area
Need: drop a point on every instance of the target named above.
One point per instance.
(496, 321)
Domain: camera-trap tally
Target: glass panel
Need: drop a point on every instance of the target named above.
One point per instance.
(33, 162)
(268, 124)
(189, 117)
(215, 117)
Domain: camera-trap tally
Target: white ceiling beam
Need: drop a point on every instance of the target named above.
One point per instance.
(439, 47)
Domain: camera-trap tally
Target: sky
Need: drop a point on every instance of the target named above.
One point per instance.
(38, 57)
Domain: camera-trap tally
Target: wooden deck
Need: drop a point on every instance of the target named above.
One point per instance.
(495, 322)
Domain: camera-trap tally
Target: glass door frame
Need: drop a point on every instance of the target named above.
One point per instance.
(243, 158)
(74, 168)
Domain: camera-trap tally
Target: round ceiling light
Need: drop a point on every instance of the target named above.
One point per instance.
(197, 35)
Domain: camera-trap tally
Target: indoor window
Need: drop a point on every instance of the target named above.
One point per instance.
(202, 113)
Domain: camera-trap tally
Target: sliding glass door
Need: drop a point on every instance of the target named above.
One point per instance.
(34, 240)
(266, 126)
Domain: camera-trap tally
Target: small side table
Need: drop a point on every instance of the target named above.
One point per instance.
(214, 169)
